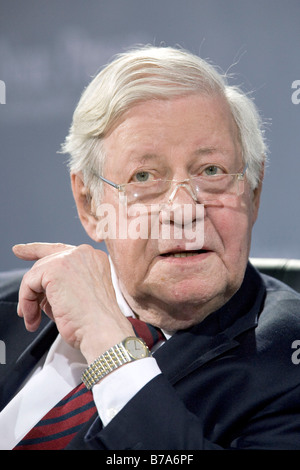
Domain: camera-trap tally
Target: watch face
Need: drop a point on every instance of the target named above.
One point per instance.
(136, 348)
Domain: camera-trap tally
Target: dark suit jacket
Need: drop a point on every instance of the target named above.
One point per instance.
(228, 382)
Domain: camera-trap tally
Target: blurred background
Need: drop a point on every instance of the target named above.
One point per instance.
(50, 49)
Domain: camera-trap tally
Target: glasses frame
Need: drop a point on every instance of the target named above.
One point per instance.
(122, 187)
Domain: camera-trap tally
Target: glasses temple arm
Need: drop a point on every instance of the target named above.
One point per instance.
(114, 185)
(245, 169)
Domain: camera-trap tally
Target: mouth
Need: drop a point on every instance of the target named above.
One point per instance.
(184, 254)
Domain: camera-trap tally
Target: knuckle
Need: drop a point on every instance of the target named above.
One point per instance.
(85, 250)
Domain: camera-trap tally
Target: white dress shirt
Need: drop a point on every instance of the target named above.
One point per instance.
(58, 373)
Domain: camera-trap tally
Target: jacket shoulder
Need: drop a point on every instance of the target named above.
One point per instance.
(279, 292)
(279, 319)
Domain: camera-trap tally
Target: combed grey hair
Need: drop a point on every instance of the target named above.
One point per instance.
(148, 73)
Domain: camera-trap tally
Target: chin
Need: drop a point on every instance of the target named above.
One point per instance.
(189, 291)
(188, 303)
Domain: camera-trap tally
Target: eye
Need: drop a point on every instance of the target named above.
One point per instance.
(213, 170)
(142, 177)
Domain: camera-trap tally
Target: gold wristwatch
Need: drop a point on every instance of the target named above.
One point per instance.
(130, 349)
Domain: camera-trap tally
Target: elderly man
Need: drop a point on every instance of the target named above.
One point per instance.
(158, 139)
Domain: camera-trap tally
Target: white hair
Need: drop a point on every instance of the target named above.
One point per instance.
(146, 73)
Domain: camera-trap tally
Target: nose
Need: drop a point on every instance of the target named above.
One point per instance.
(183, 222)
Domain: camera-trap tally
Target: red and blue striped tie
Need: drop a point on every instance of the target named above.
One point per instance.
(60, 425)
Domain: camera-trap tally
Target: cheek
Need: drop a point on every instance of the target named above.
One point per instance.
(131, 249)
(129, 259)
(232, 227)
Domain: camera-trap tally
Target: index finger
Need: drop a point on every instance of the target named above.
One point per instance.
(37, 250)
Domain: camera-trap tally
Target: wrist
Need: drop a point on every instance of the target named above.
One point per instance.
(94, 343)
(130, 349)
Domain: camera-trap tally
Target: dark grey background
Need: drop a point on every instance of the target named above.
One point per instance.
(49, 49)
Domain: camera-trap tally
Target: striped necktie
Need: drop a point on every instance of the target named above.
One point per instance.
(60, 425)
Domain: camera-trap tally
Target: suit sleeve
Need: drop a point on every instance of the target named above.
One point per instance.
(155, 418)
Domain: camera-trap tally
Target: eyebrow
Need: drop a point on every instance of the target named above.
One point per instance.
(206, 150)
(145, 157)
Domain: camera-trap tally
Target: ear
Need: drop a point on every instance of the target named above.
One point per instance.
(256, 196)
(84, 204)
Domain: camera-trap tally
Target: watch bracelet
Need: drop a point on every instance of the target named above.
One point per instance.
(113, 358)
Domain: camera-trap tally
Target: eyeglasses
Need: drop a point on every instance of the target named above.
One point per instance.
(203, 189)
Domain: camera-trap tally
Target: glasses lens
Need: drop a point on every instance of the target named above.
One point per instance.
(217, 186)
(146, 193)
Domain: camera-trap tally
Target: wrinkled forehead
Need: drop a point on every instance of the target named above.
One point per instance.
(155, 129)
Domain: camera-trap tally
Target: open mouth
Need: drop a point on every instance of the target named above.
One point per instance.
(184, 254)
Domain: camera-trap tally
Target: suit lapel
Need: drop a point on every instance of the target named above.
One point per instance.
(16, 373)
(184, 353)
